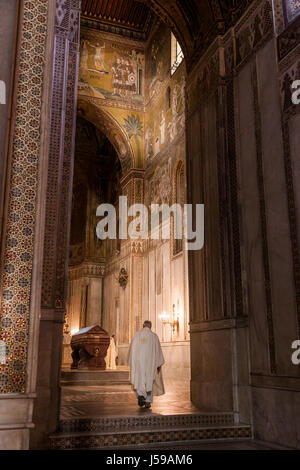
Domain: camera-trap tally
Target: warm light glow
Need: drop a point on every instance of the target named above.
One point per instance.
(164, 317)
(73, 332)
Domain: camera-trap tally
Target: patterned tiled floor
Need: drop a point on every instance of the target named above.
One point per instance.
(106, 400)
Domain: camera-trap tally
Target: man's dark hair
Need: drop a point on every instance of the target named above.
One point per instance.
(147, 324)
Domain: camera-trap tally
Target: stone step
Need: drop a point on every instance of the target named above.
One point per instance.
(95, 383)
(149, 435)
(94, 377)
(121, 423)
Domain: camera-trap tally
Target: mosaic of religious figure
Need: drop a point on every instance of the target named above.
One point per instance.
(124, 78)
(109, 71)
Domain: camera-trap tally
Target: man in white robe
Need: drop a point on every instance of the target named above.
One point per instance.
(145, 359)
(112, 354)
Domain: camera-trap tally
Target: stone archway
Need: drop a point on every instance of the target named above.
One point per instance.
(58, 200)
(87, 107)
(45, 325)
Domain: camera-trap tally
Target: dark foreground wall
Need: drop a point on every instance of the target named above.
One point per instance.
(243, 153)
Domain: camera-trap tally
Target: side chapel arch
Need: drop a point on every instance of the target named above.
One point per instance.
(106, 123)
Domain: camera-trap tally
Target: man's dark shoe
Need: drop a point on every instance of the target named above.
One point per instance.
(147, 405)
(141, 400)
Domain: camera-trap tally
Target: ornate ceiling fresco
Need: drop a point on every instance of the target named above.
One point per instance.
(195, 22)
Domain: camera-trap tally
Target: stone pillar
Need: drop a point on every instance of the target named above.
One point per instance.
(133, 188)
(219, 335)
(57, 223)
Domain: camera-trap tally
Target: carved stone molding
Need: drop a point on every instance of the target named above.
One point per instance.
(227, 54)
(137, 247)
(289, 39)
(204, 78)
(253, 31)
(87, 270)
(223, 324)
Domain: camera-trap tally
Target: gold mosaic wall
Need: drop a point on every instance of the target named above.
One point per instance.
(113, 73)
(165, 97)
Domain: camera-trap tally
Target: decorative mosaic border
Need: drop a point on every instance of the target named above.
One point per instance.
(23, 185)
(289, 39)
(125, 32)
(137, 438)
(253, 31)
(278, 16)
(291, 9)
(122, 423)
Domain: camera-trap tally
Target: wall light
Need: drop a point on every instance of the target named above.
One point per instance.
(172, 320)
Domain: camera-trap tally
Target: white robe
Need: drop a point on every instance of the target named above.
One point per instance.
(144, 357)
(111, 356)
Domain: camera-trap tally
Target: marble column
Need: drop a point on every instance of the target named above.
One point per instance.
(133, 187)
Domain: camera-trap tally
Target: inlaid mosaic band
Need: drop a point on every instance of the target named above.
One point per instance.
(130, 422)
(19, 241)
(89, 441)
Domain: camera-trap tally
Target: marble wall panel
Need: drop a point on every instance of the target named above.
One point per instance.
(278, 228)
(211, 370)
(276, 415)
(251, 221)
(294, 126)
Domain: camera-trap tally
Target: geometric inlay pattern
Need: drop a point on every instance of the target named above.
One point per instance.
(20, 225)
(159, 434)
(292, 9)
(117, 424)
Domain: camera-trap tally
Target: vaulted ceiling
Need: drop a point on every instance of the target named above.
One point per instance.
(195, 22)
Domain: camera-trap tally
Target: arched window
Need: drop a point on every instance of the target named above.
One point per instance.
(179, 199)
(291, 9)
(176, 54)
